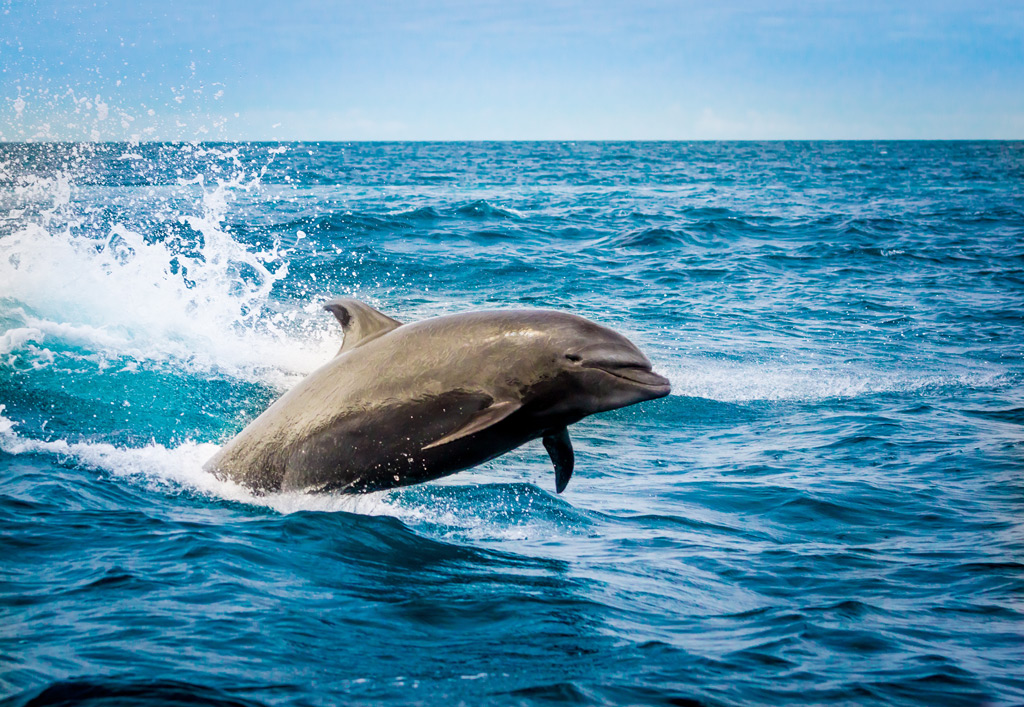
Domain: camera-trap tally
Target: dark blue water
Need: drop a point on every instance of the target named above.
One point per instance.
(829, 508)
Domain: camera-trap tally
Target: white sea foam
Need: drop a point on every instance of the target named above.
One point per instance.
(742, 382)
(18, 338)
(180, 469)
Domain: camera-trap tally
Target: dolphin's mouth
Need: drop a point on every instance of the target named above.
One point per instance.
(637, 375)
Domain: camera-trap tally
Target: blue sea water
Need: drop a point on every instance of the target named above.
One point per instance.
(829, 508)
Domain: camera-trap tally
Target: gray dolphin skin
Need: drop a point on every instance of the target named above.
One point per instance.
(405, 403)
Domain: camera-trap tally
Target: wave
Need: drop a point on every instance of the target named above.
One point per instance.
(653, 238)
(422, 213)
(484, 209)
(120, 691)
(707, 236)
(368, 222)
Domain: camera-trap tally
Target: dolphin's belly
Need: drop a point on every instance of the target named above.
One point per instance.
(383, 447)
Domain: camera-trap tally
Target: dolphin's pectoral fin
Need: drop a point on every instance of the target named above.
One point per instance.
(360, 322)
(559, 448)
(490, 415)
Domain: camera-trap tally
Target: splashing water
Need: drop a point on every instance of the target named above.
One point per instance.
(176, 287)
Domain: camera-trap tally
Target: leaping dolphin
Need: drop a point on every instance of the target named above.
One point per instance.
(405, 403)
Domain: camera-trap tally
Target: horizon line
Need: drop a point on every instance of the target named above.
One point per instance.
(335, 141)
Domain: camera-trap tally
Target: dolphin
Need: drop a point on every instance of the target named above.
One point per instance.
(405, 403)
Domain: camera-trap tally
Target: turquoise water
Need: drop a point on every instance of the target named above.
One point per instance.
(827, 509)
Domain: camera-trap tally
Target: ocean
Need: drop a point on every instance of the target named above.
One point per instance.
(828, 508)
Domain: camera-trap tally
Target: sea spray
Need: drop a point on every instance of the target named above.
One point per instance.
(175, 287)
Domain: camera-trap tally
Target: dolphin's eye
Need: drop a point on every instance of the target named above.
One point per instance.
(574, 357)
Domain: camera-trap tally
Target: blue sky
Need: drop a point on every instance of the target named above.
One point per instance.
(569, 70)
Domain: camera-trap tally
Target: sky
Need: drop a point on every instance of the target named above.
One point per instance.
(507, 70)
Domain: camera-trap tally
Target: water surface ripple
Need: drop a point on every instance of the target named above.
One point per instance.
(828, 509)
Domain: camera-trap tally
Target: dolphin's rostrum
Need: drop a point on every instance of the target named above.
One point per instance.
(405, 403)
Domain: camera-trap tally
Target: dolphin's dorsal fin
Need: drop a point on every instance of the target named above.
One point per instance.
(359, 321)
